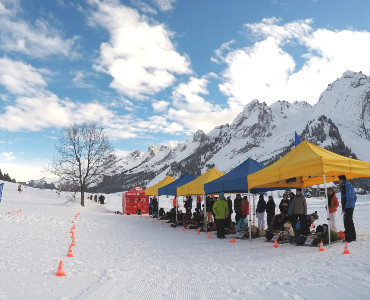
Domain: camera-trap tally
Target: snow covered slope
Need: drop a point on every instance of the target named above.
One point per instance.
(128, 257)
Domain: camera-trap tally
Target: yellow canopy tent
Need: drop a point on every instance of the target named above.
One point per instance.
(306, 165)
(153, 190)
(196, 187)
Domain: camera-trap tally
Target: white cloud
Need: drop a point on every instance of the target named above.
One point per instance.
(6, 156)
(164, 5)
(187, 95)
(143, 7)
(194, 112)
(159, 106)
(267, 70)
(36, 40)
(140, 55)
(80, 80)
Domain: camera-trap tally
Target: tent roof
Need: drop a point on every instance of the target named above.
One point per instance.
(135, 191)
(236, 180)
(153, 190)
(196, 187)
(305, 165)
(170, 189)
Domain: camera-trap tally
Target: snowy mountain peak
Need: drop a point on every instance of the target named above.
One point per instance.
(199, 136)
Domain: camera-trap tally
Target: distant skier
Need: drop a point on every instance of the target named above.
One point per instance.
(19, 188)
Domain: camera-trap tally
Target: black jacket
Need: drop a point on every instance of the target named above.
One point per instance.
(270, 207)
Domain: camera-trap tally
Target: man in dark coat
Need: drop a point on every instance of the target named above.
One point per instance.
(348, 199)
(238, 203)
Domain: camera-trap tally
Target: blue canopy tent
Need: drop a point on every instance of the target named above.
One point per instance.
(236, 182)
(170, 189)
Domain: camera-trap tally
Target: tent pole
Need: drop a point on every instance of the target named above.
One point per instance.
(250, 216)
(327, 205)
(205, 213)
(157, 207)
(176, 211)
(254, 211)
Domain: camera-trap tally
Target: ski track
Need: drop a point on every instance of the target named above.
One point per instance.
(131, 257)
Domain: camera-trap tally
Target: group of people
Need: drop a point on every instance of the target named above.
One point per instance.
(99, 199)
(293, 217)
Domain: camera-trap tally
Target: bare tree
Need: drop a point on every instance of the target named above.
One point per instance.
(85, 156)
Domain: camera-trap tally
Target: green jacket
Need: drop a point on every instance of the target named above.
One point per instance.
(221, 209)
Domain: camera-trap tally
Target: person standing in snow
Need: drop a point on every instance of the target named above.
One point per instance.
(348, 200)
(230, 204)
(245, 207)
(238, 202)
(150, 206)
(333, 205)
(299, 207)
(284, 205)
(260, 210)
(139, 206)
(270, 210)
(221, 210)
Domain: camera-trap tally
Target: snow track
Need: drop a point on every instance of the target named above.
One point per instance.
(131, 257)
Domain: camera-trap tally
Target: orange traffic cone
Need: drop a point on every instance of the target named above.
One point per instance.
(276, 244)
(70, 254)
(162, 222)
(73, 235)
(60, 271)
(183, 229)
(346, 250)
(78, 213)
(73, 242)
(232, 240)
(74, 227)
(153, 220)
(71, 230)
(198, 231)
(321, 247)
(209, 235)
(73, 221)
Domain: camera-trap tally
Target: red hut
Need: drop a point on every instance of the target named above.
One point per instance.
(130, 200)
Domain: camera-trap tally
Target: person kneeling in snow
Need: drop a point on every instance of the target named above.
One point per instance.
(302, 229)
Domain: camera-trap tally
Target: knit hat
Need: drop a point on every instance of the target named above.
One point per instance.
(221, 194)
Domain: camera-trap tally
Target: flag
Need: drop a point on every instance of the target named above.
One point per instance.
(297, 140)
(1, 190)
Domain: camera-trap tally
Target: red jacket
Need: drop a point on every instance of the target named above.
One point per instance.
(245, 207)
(334, 204)
(140, 205)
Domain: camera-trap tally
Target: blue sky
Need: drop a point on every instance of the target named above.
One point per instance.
(155, 71)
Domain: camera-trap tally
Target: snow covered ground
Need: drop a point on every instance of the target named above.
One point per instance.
(130, 257)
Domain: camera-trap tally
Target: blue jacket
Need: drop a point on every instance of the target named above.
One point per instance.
(348, 195)
(241, 225)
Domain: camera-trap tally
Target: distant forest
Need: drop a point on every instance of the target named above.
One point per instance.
(6, 177)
